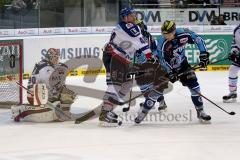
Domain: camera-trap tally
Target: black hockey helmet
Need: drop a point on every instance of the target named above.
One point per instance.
(141, 24)
(168, 27)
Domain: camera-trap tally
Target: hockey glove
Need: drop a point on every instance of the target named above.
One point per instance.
(153, 59)
(233, 56)
(173, 76)
(204, 59)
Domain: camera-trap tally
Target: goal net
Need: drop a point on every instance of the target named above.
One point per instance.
(11, 69)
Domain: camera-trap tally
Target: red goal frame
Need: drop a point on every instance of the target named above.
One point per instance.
(19, 76)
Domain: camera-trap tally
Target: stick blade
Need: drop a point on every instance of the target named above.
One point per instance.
(125, 109)
(232, 113)
(114, 101)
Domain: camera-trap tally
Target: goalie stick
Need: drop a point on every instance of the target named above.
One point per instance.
(51, 106)
(89, 115)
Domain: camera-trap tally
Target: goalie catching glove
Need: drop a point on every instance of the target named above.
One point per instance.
(67, 96)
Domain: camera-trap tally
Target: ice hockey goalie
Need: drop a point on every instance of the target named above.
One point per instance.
(52, 74)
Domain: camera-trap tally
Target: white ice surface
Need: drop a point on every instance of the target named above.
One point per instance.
(161, 139)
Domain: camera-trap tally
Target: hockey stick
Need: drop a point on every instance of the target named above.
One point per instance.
(198, 67)
(130, 97)
(130, 94)
(129, 100)
(51, 106)
(230, 113)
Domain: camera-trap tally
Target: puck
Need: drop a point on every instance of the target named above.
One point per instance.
(119, 123)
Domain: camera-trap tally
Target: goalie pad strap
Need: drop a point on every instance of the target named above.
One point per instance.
(36, 96)
(29, 112)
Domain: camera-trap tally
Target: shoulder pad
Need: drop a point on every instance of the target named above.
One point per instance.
(235, 30)
(63, 65)
(131, 29)
(182, 30)
(40, 65)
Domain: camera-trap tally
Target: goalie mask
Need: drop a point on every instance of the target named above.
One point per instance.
(52, 56)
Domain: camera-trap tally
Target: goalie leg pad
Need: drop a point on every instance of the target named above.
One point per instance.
(29, 113)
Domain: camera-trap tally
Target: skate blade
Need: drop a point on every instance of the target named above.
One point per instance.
(106, 124)
(233, 100)
(163, 110)
(202, 121)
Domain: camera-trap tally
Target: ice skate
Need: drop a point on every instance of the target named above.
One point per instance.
(141, 115)
(108, 119)
(162, 106)
(230, 98)
(203, 117)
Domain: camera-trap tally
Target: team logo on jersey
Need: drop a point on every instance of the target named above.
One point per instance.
(178, 50)
(149, 103)
(197, 40)
(183, 40)
(129, 25)
(125, 45)
(135, 32)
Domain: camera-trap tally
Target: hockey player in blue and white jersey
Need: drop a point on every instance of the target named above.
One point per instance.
(234, 56)
(171, 51)
(126, 44)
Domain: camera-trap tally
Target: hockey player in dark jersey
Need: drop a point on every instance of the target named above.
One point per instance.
(234, 56)
(171, 53)
(153, 46)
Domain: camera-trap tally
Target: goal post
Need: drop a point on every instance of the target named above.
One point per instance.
(11, 71)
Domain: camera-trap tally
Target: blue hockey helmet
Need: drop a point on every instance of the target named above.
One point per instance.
(126, 11)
